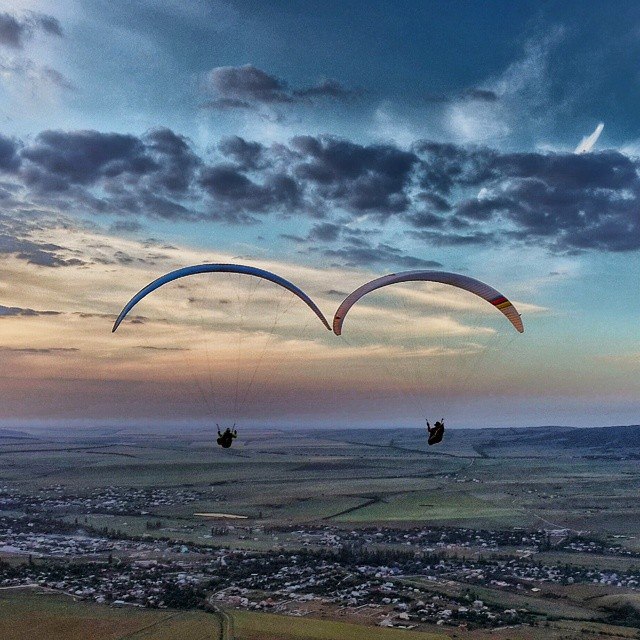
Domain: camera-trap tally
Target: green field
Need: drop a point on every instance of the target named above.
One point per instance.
(485, 478)
(438, 506)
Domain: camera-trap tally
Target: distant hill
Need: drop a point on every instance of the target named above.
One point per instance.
(14, 434)
(620, 437)
(617, 438)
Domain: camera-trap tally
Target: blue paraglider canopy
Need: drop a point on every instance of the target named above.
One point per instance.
(219, 268)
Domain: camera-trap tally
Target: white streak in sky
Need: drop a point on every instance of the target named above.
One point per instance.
(587, 143)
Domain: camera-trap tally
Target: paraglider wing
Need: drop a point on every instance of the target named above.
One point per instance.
(454, 279)
(219, 268)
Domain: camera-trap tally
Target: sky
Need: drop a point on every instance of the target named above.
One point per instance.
(331, 143)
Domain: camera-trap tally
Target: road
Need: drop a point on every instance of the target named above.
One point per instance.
(225, 620)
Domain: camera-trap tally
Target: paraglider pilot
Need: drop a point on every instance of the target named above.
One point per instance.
(225, 440)
(436, 433)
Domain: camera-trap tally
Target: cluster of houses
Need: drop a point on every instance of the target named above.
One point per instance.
(297, 590)
(582, 545)
(419, 537)
(521, 572)
(401, 588)
(106, 500)
(397, 575)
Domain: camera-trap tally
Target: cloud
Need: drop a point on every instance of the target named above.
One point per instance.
(15, 30)
(159, 175)
(358, 178)
(34, 78)
(37, 253)
(324, 232)
(127, 226)
(39, 351)
(454, 239)
(57, 159)
(247, 87)
(515, 102)
(10, 312)
(176, 164)
(108, 173)
(368, 255)
(311, 174)
(247, 84)
(445, 194)
(55, 77)
(248, 155)
(152, 348)
(567, 202)
(336, 292)
(12, 31)
(293, 238)
(48, 24)
(327, 88)
(357, 251)
(239, 195)
(9, 158)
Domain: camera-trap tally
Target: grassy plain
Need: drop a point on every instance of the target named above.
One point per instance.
(484, 478)
(264, 626)
(27, 614)
(30, 615)
(435, 506)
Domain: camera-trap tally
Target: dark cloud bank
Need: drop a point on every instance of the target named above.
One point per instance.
(11, 312)
(247, 87)
(442, 194)
(14, 241)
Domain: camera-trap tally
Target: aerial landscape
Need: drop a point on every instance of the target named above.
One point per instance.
(372, 528)
(319, 321)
